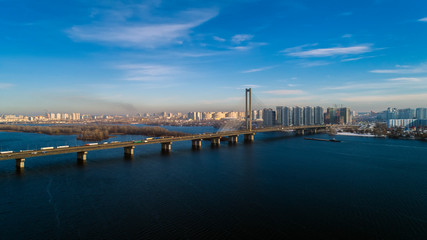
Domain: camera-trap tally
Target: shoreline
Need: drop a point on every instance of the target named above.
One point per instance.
(355, 134)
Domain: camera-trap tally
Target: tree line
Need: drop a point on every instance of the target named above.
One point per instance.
(94, 132)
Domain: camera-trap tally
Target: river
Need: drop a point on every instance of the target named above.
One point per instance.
(278, 187)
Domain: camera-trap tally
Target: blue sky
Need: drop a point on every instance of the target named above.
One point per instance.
(115, 56)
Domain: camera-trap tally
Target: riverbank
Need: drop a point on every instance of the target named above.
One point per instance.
(93, 132)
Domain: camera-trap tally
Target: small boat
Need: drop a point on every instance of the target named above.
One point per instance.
(324, 140)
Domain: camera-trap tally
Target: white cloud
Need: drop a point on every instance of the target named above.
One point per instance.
(407, 79)
(216, 38)
(423, 19)
(239, 38)
(249, 46)
(422, 68)
(284, 92)
(5, 85)
(387, 98)
(347, 36)
(298, 48)
(257, 69)
(328, 52)
(148, 73)
(142, 35)
(391, 84)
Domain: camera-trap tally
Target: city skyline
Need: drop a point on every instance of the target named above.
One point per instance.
(144, 56)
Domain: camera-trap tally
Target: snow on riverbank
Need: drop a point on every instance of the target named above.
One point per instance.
(355, 134)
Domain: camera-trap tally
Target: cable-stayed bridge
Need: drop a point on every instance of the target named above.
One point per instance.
(166, 142)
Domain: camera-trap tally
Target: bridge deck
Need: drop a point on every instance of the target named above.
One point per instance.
(39, 153)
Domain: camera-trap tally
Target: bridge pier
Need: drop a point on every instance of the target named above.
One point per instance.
(249, 137)
(20, 163)
(196, 144)
(232, 139)
(166, 147)
(81, 157)
(300, 132)
(129, 151)
(215, 142)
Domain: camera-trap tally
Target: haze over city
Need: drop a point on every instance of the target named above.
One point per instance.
(138, 56)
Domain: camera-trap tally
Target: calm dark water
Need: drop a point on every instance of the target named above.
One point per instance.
(276, 188)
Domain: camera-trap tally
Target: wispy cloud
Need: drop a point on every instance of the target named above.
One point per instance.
(140, 34)
(257, 69)
(239, 38)
(284, 92)
(423, 19)
(390, 84)
(328, 52)
(218, 39)
(5, 85)
(249, 46)
(399, 69)
(147, 73)
(387, 98)
(355, 59)
(408, 79)
(347, 36)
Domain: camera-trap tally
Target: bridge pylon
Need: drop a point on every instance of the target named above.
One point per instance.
(248, 109)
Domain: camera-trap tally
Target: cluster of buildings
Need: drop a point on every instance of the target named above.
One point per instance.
(305, 116)
(406, 118)
(46, 118)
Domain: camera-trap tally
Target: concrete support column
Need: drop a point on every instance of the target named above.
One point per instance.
(166, 147)
(232, 139)
(129, 151)
(81, 157)
(315, 131)
(196, 144)
(249, 137)
(300, 132)
(215, 142)
(20, 162)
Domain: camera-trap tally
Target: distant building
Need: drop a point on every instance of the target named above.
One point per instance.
(298, 116)
(269, 117)
(287, 114)
(195, 115)
(280, 117)
(391, 113)
(308, 115)
(338, 115)
(319, 118)
(405, 123)
(407, 113)
(421, 113)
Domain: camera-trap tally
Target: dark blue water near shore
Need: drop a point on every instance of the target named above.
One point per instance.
(278, 187)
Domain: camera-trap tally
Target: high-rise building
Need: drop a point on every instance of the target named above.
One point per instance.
(287, 114)
(407, 113)
(194, 115)
(338, 115)
(269, 117)
(298, 116)
(318, 116)
(421, 113)
(280, 117)
(391, 113)
(308, 115)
